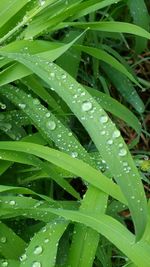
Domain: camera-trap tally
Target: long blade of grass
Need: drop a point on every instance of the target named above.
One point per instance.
(9, 10)
(113, 26)
(140, 16)
(91, 6)
(125, 87)
(104, 56)
(7, 239)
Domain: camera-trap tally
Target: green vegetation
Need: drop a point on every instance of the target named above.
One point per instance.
(74, 114)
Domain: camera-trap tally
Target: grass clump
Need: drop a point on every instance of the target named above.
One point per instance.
(74, 135)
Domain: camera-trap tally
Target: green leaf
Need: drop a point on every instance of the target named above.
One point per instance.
(140, 16)
(125, 87)
(43, 247)
(104, 56)
(7, 240)
(9, 10)
(113, 26)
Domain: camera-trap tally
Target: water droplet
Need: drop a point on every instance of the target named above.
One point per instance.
(23, 257)
(122, 152)
(36, 101)
(52, 74)
(83, 94)
(116, 134)
(74, 154)
(110, 142)
(102, 132)
(120, 145)
(3, 239)
(38, 250)
(22, 106)
(48, 114)
(51, 125)
(3, 106)
(103, 119)
(12, 202)
(42, 2)
(86, 106)
(4, 263)
(64, 76)
(36, 264)
(46, 240)
(70, 134)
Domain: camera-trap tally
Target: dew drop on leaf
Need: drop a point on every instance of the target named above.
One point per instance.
(38, 250)
(22, 106)
(3, 106)
(36, 264)
(102, 132)
(12, 202)
(52, 74)
(5, 263)
(83, 94)
(86, 106)
(36, 101)
(110, 142)
(3, 239)
(42, 2)
(23, 257)
(64, 76)
(116, 134)
(120, 145)
(51, 125)
(46, 240)
(103, 119)
(122, 152)
(48, 115)
(74, 154)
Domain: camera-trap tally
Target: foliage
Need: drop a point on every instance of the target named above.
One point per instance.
(69, 175)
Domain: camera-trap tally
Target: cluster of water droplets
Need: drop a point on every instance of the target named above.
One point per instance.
(38, 250)
(88, 108)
